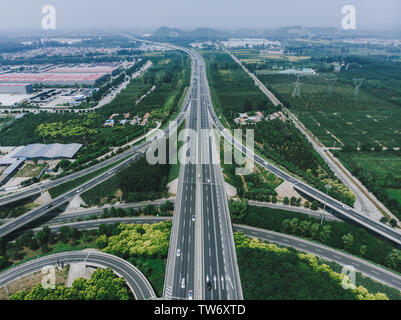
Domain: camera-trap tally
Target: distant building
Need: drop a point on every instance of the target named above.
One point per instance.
(21, 88)
(48, 151)
(109, 123)
(145, 119)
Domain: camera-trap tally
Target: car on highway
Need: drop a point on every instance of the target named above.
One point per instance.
(178, 252)
(193, 218)
(208, 180)
(190, 295)
(79, 190)
(209, 286)
(182, 283)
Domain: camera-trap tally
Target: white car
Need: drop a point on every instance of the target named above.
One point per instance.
(178, 252)
(190, 295)
(193, 218)
(183, 283)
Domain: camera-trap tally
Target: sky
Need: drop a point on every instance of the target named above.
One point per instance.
(81, 15)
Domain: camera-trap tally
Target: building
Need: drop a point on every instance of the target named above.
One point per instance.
(12, 167)
(21, 88)
(52, 151)
(145, 119)
(68, 79)
(109, 123)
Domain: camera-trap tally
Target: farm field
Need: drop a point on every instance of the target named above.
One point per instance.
(231, 88)
(372, 118)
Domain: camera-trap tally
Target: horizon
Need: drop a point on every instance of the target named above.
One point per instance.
(24, 15)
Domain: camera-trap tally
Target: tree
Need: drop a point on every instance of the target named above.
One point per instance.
(393, 259)
(348, 241)
(315, 205)
(167, 206)
(238, 210)
(304, 228)
(150, 209)
(43, 236)
(314, 230)
(393, 222)
(306, 204)
(384, 220)
(286, 201)
(363, 249)
(325, 233)
(274, 199)
(293, 201)
(3, 262)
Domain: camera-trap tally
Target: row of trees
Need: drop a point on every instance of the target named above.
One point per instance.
(270, 272)
(103, 285)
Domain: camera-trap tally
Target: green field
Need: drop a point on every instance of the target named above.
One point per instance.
(231, 88)
(380, 172)
(373, 117)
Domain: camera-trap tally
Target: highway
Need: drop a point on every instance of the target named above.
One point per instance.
(82, 214)
(220, 269)
(136, 281)
(331, 203)
(369, 269)
(94, 224)
(180, 270)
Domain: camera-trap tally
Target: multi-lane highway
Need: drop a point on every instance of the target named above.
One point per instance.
(220, 274)
(180, 270)
(369, 269)
(202, 261)
(136, 281)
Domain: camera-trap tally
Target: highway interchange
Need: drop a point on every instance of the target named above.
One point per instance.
(201, 260)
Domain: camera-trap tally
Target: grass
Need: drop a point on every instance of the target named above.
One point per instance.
(30, 170)
(65, 187)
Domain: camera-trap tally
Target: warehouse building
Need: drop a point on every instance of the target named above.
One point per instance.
(94, 69)
(53, 151)
(12, 167)
(68, 79)
(20, 88)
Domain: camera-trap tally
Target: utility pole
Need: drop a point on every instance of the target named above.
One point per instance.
(297, 89)
(330, 84)
(325, 200)
(357, 84)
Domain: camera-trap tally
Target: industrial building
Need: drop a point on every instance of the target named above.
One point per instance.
(48, 151)
(94, 69)
(20, 88)
(53, 78)
(12, 165)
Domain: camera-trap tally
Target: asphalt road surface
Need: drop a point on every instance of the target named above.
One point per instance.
(136, 281)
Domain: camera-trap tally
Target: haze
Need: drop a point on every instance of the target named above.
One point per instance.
(187, 14)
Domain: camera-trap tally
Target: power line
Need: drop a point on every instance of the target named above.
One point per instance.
(330, 84)
(297, 89)
(357, 84)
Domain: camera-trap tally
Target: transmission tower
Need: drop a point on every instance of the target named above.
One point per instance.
(330, 84)
(297, 89)
(357, 84)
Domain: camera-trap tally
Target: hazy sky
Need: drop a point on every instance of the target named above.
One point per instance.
(188, 14)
